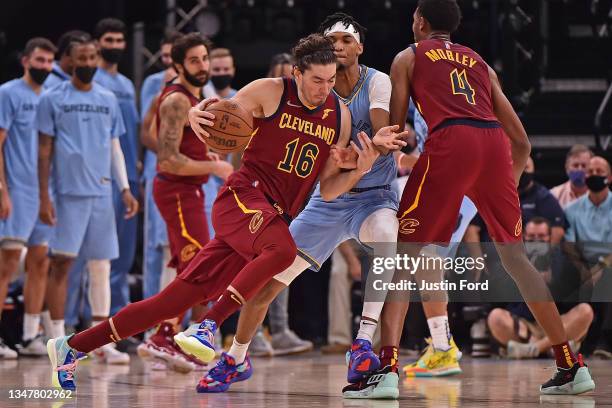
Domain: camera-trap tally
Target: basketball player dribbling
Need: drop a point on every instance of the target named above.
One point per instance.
(297, 122)
(477, 147)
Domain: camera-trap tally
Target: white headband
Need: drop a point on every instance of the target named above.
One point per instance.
(339, 27)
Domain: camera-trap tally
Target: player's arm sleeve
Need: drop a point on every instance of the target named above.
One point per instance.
(379, 91)
(7, 110)
(118, 165)
(45, 117)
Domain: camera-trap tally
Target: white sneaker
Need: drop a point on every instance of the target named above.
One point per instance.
(7, 353)
(33, 348)
(287, 342)
(519, 351)
(108, 354)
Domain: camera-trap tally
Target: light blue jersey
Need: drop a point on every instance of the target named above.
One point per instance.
(151, 86)
(18, 104)
(56, 77)
(123, 89)
(322, 226)
(83, 124)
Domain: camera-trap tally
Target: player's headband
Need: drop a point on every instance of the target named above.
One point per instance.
(339, 27)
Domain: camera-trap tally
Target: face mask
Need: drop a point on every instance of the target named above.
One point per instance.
(38, 74)
(577, 177)
(538, 252)
(194, 80)
(85, 74)
(221, 81)
(524, 181)
(112, 55)
(596, 183)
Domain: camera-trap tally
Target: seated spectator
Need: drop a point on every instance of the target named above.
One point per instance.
(515, 327)
(536, 200)
(576, 163)
(588, 246)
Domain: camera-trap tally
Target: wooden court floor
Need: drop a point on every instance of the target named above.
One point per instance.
(309, 380)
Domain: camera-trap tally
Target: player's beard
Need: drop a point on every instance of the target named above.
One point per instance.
(194, 80)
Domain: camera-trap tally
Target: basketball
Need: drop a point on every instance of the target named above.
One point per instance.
(233, 127)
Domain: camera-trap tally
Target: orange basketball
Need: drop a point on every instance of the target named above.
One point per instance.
(233, 127)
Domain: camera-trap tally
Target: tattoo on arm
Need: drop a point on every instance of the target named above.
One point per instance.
(173, 113)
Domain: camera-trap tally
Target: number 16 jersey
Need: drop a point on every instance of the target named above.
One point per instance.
(450, 81)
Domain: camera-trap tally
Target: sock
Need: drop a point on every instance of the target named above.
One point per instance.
(366, 330)
(564, 356)
(238, 351)
(57, 329)
(31, 324)
(45, 319)
(92, 338)
(440, 332)
(227, 304)
(388, 357)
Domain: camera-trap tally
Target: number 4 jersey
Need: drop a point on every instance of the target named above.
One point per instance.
(289, 149)
(450, 81)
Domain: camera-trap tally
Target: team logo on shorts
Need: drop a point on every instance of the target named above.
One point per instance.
(518, 228)
(408, 225)
(188, 252)
(256, 222)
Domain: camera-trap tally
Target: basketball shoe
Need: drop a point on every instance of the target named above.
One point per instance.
(198, 340)
(225, 373)
(109, 354)
(64, 361)
(161, 346)
(435, 363)
(361, 360)
(571, 381)
(380, 384)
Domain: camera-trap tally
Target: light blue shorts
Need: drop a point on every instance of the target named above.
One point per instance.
(23, 225)
(85, 226)
(323, 225)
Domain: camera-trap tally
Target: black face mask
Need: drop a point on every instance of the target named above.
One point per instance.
(597, 183)
(524, 181)
(221, 81)
(112, 55)
(38, 74)
(194, 80)
(85, 74)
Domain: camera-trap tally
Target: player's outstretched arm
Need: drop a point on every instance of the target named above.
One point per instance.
(335, 182)
(519, 142)
(173, 114)
(45, 153)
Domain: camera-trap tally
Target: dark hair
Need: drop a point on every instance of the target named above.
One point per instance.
(38, 42)
(537, 220)
(184, 43)
(442, 15)
(64, 44)
(344, 19)
(314, 49)
(109, 25)
(280, 59)
(170, 36)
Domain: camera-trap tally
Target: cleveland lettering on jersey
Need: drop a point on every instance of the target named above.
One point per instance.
(307, 127)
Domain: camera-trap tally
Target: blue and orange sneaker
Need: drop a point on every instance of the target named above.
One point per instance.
(198, 340)
(64, 361)
(361, 361)
(225, 373)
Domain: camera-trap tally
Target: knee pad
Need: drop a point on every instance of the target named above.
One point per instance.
(99, 287)
(380, 226)
(297, 267)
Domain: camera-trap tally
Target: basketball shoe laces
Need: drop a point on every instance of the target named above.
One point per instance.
(205, 330)
(70, 367)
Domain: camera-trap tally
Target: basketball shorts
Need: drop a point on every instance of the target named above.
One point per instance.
(86, 227)
(461, 160)
(23, 226)
(323, 225)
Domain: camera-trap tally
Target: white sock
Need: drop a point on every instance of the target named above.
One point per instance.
(366, 330)
(57, 329)
(45, 320)
(440, 332)
(238, 351)
(31, 324)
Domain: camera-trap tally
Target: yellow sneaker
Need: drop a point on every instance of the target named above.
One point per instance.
(434, 363)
